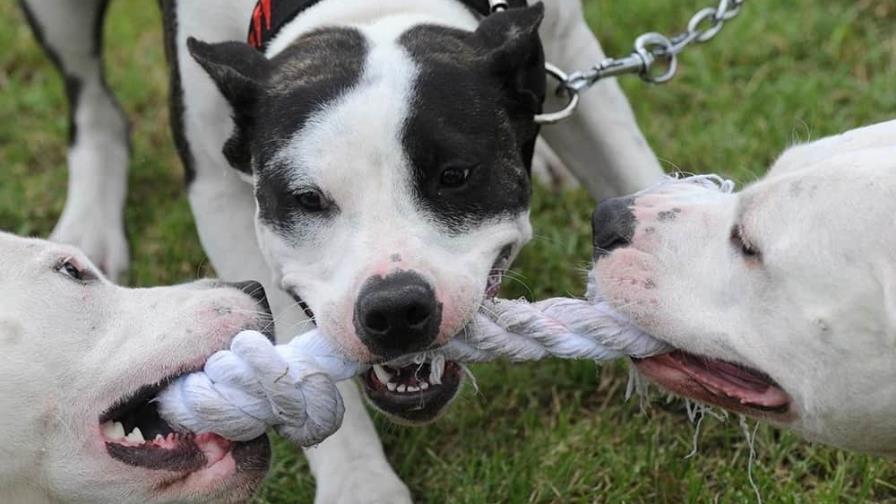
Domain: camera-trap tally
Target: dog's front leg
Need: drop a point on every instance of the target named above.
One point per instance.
(601, 144)
(93, 217)
(350, 466)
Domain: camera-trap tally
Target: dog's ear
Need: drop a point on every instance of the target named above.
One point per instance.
(515, 55)
(239, 72)
(236, 68)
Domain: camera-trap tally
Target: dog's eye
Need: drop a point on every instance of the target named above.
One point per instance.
(311, 200)
(70, 268)
(454, 176)
(746, 248)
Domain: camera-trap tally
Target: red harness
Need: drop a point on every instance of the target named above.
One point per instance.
(269, 16)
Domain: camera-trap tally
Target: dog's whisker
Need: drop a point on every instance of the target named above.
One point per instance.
(528, 289)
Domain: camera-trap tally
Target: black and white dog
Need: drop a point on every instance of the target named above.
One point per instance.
(368, 161)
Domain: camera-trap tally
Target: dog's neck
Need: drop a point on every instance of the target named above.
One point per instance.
(332, 13)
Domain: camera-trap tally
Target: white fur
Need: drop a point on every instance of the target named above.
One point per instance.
(603, 146)
(818, 314)
(69, 351)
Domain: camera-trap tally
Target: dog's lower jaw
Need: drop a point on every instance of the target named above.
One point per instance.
(415, 394)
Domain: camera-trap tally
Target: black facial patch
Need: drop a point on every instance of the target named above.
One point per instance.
(466, 116)
(316, 70)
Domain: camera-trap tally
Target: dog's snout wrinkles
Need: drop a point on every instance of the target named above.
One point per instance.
(613, 224)
(397, 314)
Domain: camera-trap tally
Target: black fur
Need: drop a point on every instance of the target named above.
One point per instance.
(176, 90)
(239, 72)
(273, 99)
(477, 95)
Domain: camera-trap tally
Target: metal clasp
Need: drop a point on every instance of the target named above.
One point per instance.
(562, 89)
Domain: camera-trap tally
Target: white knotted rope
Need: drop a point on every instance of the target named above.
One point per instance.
(256, 385)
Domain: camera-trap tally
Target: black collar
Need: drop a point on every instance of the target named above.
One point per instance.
(269, 16)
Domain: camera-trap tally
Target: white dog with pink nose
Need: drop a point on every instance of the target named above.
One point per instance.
(780, 299)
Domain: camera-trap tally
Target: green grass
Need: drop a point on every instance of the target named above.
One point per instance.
(557, 431)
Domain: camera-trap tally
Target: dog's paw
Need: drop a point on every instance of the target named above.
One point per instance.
(104, 242)
(364, 486)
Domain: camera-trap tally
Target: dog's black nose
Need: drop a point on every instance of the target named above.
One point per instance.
(613, 225)
(397, 314)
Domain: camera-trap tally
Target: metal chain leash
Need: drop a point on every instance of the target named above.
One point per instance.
(653, 50)
(653, 47)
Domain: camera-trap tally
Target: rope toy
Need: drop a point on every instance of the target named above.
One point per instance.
(256, 385)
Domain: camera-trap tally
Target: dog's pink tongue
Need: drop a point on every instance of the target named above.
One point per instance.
(724, 378)
(213, 446)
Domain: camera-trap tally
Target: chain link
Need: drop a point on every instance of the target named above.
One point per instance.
(652, 48)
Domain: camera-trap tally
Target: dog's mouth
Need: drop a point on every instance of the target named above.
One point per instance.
(135, 434)
(496, 273)
(419, 392)
(734, 387)
(415, 393)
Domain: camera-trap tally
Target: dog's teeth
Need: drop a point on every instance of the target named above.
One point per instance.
(391, 386)
(424, 385)
(159, 438)
(381, 374)
(412, 388)
(135, 436)
(436, 369)
(402, 388)
(114, 431)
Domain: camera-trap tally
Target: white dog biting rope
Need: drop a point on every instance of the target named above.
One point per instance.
(256, 385)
